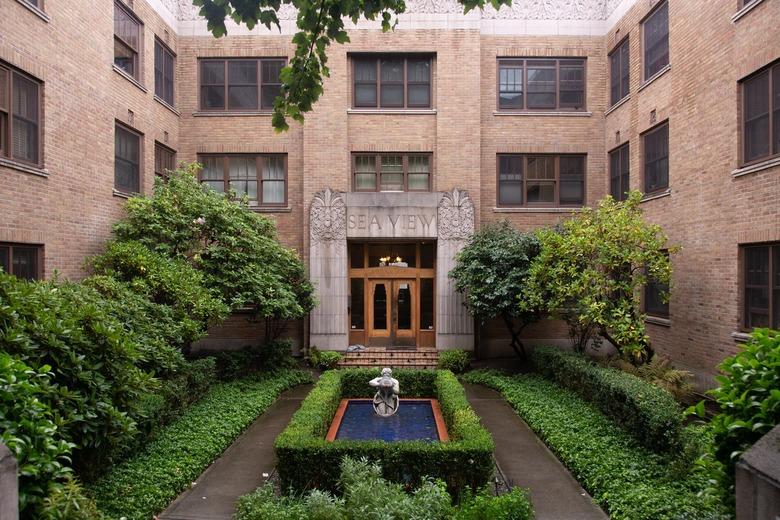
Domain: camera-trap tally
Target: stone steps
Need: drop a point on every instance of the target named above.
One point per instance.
(381, 357)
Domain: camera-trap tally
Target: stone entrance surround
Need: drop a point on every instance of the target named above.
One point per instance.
(447, 217)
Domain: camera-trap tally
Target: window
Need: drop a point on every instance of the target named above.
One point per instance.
(619, 74)
(541, 180)
(20, 103)
(761, 283)
(392, 172)
(163, 72)
(164, 160)
(261, 178)
(541, 84)
(22, 260)
(761, 115)
(392, 81)
(240, 84)
(127, 160)
(618, 172)
(127, 40)
(656, 149)
(655, 293)
(656, 40)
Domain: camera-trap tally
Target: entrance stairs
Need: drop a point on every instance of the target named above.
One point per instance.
(419, 358)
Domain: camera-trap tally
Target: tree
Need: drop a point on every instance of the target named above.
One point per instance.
(595, 264)
(491, 271)
(319, 22)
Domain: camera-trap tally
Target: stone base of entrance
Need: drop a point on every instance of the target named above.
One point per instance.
(388, 357)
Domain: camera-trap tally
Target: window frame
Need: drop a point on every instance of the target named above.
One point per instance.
(136, 75)
(524, 181)
(770, 70)
(40, 271)
(378, 170)
(774, 264)
(165, 50)
(665, 312)
(161, 171)
(7, 117)
(523, 60)
(120, 125)
(617, 51)
(644, 135)
(622, 149)
(259, 162)
(226, 87)
(643, 25)
(377, 59)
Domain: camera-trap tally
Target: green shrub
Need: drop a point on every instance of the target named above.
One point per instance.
(514, 505)
(143, 485)
(456, 361)
(463, 462)
(276, 354)
(629, 481)
(68, 502)
(660, 372)
(329, 360)
(646, 411)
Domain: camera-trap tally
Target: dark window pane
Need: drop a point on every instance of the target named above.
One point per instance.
(212, 73)
(618, 172)
(168, 74)
(392, 173)
(212, 96)
(654, 302)
(419, 70)
(427, 255)
(418, 79)
(365, 70)
(242, 172)
(757, 266)
(756, 91)
(619, 73)
(244, 97)
(418, 172)
(392, 71)
(365, 95)
(392, 83)
(419, 95)
(572, 172)
(25, 115)
(776, 109)
(572, 84)
(357, 306)
(657, 159)
(242, 85)
(757, 286)
(356, 260)
(125, 27)
(159, 69)
(656, 33)
(25, 262)
(426, 304)
(270, 93)
(541, 86)
(510, 85)
(213, 173)
(126, 160)
(625, 70)
(510, 180)
(242, 72)
(124, 57)
(271, 70)
(5, 259)
(392, 95)
(365, 172)
(273, 180)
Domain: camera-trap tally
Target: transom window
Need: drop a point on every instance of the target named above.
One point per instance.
(240, 83)
(22, 260)
(163, 72)
(656, 160)
(761, 283)
(20, 120)
(262, 178)
(164, 159)
(127, 160)
(619, 172)
(127, 40)
(541, 84)
(391, 81)
(391, 172)
(619, 74)
(541, 180)
(761, 115)
(655, 29)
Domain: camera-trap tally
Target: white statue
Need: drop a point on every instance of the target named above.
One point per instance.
(386, 398)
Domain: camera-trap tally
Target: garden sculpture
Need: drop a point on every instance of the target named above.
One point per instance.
(386, 398)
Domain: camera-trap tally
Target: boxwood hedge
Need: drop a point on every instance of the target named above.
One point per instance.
(305, 460)
(629, 481)
(649, 413)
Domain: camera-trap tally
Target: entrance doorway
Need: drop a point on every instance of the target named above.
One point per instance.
(392, 294)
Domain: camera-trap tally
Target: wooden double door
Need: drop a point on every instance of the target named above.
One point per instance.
(392, 312)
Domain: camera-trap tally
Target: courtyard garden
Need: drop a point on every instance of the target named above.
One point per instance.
(111, 414)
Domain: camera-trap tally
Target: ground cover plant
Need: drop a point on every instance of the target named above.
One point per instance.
(367, 495)
(629, 481)
(144, 484)
(465, 462)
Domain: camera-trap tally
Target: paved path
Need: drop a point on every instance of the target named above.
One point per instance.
(526, 462)
(240, 468)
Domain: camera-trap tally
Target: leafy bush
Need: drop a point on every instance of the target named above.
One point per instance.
(749, 401)
(367, 495)
(629, 481)
(145, 484)
(646, 411)
(660, 372)
(463, 462)
(456, 361)
(68, 502)
(329, 360)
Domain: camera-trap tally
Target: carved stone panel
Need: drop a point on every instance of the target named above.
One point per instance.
(456, 216)
(328, 216)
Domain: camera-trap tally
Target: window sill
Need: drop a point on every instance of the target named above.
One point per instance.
(745, 10)
(740, 337)
(130, 78)
(536, 210)
(123, 194)
(35, 10)
(657, 195)
(271, 209)
(655, 76)
(657, 320)
(556, 113)
(617, 105)
(22, 167)
(763, 165)
(392, 111)
(166, 105)
(229, 113)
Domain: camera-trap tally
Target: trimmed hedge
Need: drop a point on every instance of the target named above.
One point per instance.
(629, 481)
(649, 413)
(307, 461)
(143, 485)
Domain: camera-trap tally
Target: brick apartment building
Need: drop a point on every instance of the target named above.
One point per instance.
(422, 135)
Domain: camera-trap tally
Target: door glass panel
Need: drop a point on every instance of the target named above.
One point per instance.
(380, 307)
(404, 306)
(426, 304)
(357, 320)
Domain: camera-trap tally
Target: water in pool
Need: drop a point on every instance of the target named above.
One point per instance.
(413, 421)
